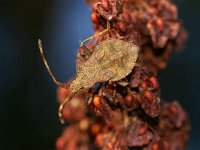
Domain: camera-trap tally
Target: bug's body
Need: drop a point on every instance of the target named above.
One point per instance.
(112, 60)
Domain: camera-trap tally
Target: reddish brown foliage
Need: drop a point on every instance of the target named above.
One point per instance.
(129, 114)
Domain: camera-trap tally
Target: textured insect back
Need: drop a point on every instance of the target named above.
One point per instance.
(60, 114)
(112, 60)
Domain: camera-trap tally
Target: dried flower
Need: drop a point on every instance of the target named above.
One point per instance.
(109, 9)
(174, 125)
(145, 23)
(124, 111)
(138, 135)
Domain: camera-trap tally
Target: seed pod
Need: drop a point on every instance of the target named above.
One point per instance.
(136, 137)
(154, 83)
(97, 101)
(105, 5)
(148, 96)
(142, 130)
(94, 18)
(122, 26)
(95, 128)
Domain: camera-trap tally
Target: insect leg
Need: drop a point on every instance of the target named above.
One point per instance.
(64, 85)
(137, 65)
(124, 82)
(86, 50)
(98, 34)
(108, 95)
(62, 106)
(87, 100)
(79, 56)
(90, 38)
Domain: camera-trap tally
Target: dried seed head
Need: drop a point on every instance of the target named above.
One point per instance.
(142, 130)
(149, 96)
(135, 129)
(138, 98)
(84, 125)
(95, 128)
(110, 91)
(154, 83)
(128, 100)
(97, 101)
(127, 17)
(99, 139)
(155, 146)
(143, 85)
(105, 5)
(122, 26)
(173, 109)
(60, 143)
(94, 18)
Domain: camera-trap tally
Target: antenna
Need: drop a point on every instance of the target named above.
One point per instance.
(64, 85)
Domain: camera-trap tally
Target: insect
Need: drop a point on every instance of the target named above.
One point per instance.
(112, 60)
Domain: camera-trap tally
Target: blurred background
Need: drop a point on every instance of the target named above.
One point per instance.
(28, 107)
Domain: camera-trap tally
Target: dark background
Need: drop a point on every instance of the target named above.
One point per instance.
(28, 107)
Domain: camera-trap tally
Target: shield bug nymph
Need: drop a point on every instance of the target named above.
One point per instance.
(112, 60)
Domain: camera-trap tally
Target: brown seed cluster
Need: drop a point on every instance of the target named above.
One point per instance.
(128, 113)
(153, 25)
(125, 130)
